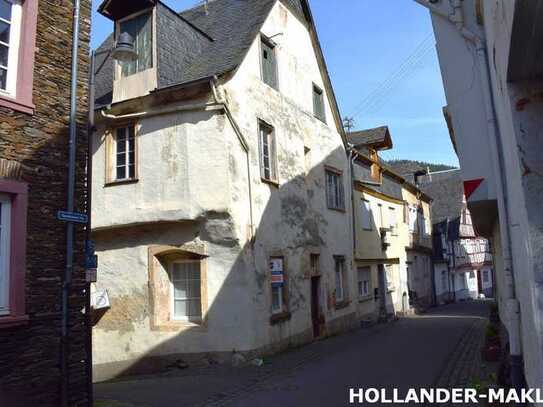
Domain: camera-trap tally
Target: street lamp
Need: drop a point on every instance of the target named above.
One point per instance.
(123, 51)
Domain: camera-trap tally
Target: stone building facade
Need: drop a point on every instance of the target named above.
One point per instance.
(34, 128)
(221, 198)
(389, 283)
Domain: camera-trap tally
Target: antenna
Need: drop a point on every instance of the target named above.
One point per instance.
(348, 124)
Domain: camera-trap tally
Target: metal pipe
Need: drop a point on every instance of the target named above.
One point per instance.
(353, 155)
(90, 134)
(71, 198)
(161, 111)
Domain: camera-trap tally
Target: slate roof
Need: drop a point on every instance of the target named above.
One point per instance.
(194, 45)
(446, 189)
(378, 137)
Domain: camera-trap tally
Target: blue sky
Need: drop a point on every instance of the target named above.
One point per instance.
(380, 52)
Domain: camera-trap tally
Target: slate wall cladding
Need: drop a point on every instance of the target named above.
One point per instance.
(30, 353)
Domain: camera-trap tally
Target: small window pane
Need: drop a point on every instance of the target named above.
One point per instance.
(5, 10)
(121, 172)
(3, 78)
(180, 308)
(140, 28)
(4, 32)
(180, 290)
(4, 51)
(195, 308)
(276, 298)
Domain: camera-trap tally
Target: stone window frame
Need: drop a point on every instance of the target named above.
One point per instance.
(110, 153)
(157, 256)
(18, 191)
(22, 101)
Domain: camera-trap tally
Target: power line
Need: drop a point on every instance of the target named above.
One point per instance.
(378, 97)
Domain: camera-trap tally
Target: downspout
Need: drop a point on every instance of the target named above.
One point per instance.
(244, 145)
(512, 303)
(66, 285)
(88, 309)
(353, 155)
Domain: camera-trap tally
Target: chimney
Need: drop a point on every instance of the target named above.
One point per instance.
(206, 7)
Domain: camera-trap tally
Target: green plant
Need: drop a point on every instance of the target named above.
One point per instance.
(491, 331)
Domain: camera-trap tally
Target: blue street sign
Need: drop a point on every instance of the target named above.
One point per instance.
(72, 217)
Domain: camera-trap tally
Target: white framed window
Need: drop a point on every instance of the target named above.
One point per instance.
(364, 281)
(278, 303)
(267, 144)
(340, 278)
(10, 33)
(412, 218)
(125, 153)
(186, 292)
(140, 28)
(389, 275)
(393, 220)
(378, 214)
(366, 214)
(5, 238)
(335, 196)
(268, 62)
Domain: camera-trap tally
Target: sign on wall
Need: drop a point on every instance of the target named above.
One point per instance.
(277, 274)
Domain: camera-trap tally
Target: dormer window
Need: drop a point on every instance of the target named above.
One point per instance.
(141, 29)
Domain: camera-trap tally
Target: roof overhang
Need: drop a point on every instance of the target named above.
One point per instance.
(118, 9)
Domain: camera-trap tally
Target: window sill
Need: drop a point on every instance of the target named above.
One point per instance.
(270, 182)
(322, 120)
(9, 321)
(342, 304)
(366, 298)
(121, 182)
(341, 210)
(18, 105)
(179, 326)
(280, 317)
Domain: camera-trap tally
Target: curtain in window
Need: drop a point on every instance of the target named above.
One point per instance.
(140, 28)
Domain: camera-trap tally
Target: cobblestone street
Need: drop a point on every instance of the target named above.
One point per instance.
(440, 348)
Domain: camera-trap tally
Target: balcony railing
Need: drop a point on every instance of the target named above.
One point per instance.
(416, 239)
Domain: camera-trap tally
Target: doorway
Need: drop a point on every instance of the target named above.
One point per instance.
(315, 305)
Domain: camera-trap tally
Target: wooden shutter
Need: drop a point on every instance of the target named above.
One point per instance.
(269, 65)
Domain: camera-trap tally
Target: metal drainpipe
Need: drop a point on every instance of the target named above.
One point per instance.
(90, 135)
(353, 155)
(71, 198)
